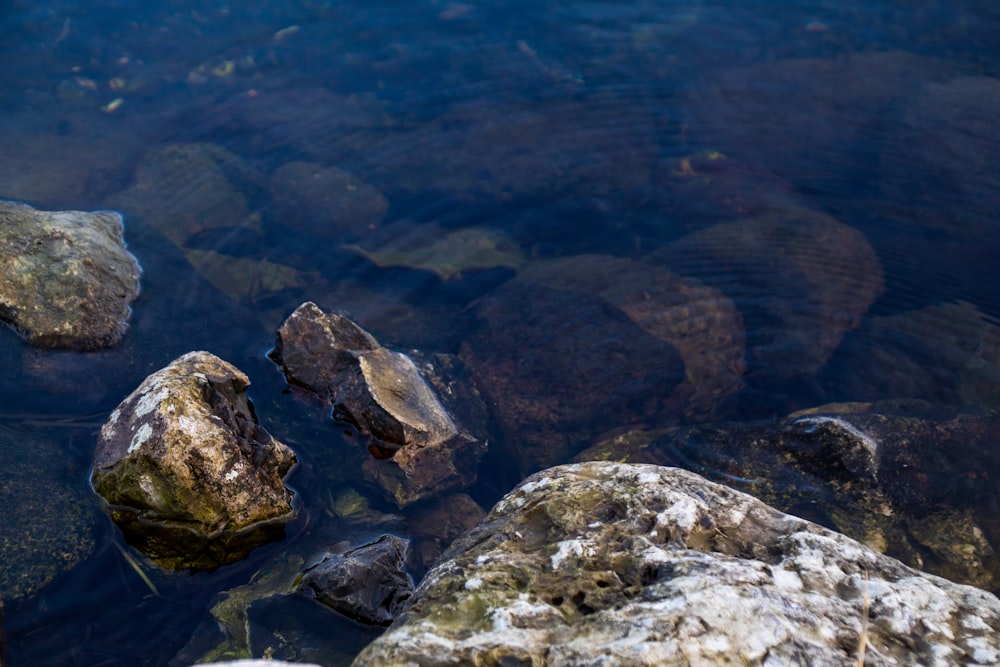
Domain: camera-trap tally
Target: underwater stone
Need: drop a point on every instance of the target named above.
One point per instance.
(325, 201)
(189, 475)
(66, 279)
(615, 564)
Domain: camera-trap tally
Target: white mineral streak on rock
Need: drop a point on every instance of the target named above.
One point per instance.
(736, 583)
(140, 437)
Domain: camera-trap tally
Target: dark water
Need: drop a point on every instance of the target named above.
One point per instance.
(860, 139)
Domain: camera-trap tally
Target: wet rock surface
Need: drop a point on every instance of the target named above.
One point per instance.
(367, 583)
(47, 527)
(559, 366)
(189, 475)
(433, 526)
(66, 279)
(908, 478)
(418, 450)
(601, 564)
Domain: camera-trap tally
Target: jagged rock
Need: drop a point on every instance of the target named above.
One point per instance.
(907, 478)
(190, 476)
(66, 279)
(366, 582)
(613, 564)
(800, 279)
(558, 367)
(418, 450)
(47, 526)
(325, 201)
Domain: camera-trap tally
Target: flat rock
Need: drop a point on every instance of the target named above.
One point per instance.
(617, 564)
(190, 476)
(66, 279)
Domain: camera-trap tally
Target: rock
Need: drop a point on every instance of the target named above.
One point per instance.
(748, 112)
(418, 450)
(601, 564)
(48, 524)
(184, 190)
(189, 475)
(325, 201)
(366, 583)
(944, 353)
(558, 367)
(435, 525)
(255, 663)
(800, 278)
(699, 321)
(66, 279)
(907, 478)
(946, 142)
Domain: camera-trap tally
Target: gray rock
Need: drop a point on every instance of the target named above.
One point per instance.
(191, 478)
(366, 583)
(255, 663)
(418, 450)
(66, 279)
(910, 479)
(616, 564)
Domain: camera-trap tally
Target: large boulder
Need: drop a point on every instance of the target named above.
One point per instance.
(906, 478)
(418, 449)
(66, 279)
(190, 476)
(615, 564)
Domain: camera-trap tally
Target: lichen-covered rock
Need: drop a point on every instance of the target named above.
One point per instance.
(66, 279)
(418, 450)
(325, 201)
(190, 476)
(47, 525)
(613, 564)
(558, 367)
(367, 582)
(800, 279)
(911, 479)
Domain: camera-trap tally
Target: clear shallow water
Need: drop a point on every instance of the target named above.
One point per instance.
(570, 128)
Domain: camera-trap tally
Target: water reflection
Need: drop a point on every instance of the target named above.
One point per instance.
(527, 185)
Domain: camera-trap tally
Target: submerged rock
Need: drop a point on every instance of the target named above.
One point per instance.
(418, 450)
(190, 476)
(611, 564)
(47, 526)
(366, 583)
(800, 279)
(559, 366)
(907, 478)
(66, 279)
(325, 201)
